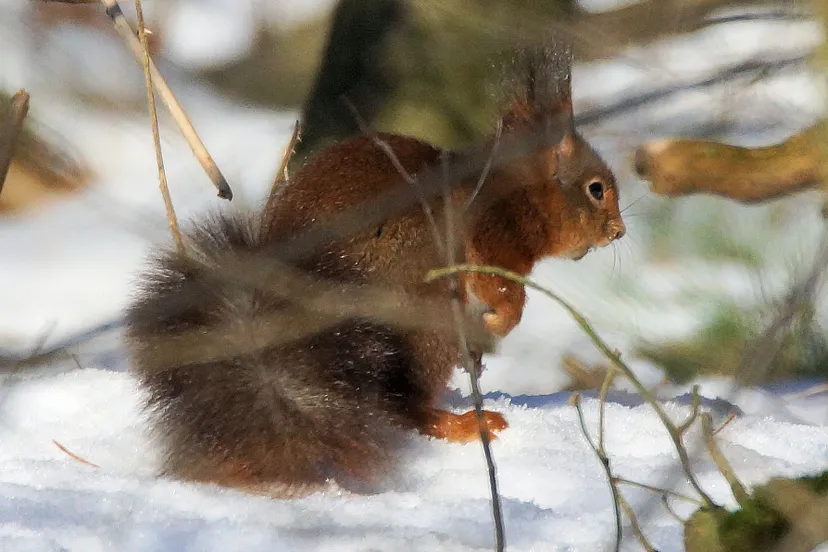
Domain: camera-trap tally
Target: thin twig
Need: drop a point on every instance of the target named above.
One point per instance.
(672, 430)
(153, 113)
(639, 534)
(113, 10)
(398, 166)
(472, 365)
(74, 456)
(616, 494)
(602, 396)
(282, 173)
(659, 490)
(487, 167)
(730, 418)
(739, 493)
(673, 514)
(10, 129)
(695, 399)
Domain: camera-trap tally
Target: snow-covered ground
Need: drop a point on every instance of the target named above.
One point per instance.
(70, 266)
(554, 492)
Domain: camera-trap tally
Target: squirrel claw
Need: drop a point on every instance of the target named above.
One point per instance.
(463, 428)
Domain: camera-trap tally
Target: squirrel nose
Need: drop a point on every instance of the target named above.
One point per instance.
(619, 232)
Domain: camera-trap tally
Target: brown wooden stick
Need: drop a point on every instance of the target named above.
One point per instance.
(748, 175)
(10, 129)
(113, 10)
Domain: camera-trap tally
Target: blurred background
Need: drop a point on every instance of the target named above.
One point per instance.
(702, 288)
(705, 289)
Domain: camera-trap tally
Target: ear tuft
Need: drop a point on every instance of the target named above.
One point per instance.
(536, 83)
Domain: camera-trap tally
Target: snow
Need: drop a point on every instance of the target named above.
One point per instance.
(71, 266)
(554, 493)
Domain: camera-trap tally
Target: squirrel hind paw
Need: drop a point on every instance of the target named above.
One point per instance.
(463, 428)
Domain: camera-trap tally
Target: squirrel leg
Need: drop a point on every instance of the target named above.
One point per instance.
(504, 300)
(462, 428)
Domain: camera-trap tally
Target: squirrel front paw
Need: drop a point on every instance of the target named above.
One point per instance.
(503, 300)
(500, 323)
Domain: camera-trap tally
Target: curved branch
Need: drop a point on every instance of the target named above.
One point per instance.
(749, 175)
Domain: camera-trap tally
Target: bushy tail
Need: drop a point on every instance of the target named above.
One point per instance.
(232, 404)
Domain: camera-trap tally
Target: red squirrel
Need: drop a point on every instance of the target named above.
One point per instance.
(299, 412)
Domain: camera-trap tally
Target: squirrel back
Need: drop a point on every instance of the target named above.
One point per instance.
(238, 399)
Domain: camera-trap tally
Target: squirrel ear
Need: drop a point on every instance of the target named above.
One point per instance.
(566, 147)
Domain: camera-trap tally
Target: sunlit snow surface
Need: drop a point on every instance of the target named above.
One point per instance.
(71, 266)
(554, 493)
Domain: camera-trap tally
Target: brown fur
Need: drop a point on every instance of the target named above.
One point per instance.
(292, 415)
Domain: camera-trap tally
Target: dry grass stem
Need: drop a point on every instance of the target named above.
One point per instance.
(615, 359)
(113, 10)
(658, 490)
(739, 493)
(695, 399)
(448, 247)
(733, 416)
(670, 511)
(10, 129)
(602, 456)
(639, 534)
(153, 113)
(282, 174)
(473, 366)
(74, 456)
(602, 395)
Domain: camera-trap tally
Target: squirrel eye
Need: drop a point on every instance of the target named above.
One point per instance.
(596, 190)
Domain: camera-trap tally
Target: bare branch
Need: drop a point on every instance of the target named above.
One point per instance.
(683, 167)
(742, 70)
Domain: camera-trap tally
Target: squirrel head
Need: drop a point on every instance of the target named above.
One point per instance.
(568, 187)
